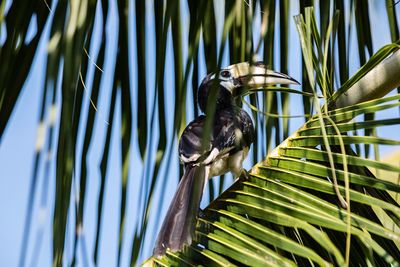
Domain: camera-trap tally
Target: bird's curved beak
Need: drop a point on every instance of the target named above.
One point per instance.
(257, 75)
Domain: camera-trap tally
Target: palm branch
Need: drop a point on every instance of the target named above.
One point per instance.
(312, 200)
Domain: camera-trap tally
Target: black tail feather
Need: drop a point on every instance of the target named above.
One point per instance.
(178, 227)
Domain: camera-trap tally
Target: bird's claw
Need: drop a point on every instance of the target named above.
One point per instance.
(244, 176)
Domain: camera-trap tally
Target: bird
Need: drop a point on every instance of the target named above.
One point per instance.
(222, 150)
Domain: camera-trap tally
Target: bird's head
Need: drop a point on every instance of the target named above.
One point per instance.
(234, 77)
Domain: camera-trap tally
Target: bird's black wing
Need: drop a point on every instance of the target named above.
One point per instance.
(191, 147)
(232, 131)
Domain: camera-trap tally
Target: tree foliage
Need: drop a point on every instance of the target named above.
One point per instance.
(311, 200)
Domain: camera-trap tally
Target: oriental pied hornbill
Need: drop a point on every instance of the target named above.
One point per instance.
(226, 148)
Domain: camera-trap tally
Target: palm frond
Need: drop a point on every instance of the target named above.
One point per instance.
(123, 76)
(289, 212)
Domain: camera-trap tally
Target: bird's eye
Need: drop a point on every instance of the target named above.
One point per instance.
(225, 74)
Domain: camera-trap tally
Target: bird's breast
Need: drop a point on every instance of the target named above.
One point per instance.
(219, 167)
(229, 163)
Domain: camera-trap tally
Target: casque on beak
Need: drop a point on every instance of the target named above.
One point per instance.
(257, 76)
(237, 79)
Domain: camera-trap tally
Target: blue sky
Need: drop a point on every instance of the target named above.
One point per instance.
(18, 143)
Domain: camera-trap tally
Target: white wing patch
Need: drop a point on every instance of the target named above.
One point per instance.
(213, 154)
(192, 158)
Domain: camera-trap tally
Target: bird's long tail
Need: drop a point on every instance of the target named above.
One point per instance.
(180, 221)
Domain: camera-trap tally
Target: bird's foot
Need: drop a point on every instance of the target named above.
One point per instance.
(244, 176)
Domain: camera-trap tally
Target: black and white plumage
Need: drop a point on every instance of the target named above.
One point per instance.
(227, 146)
(232, 132)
